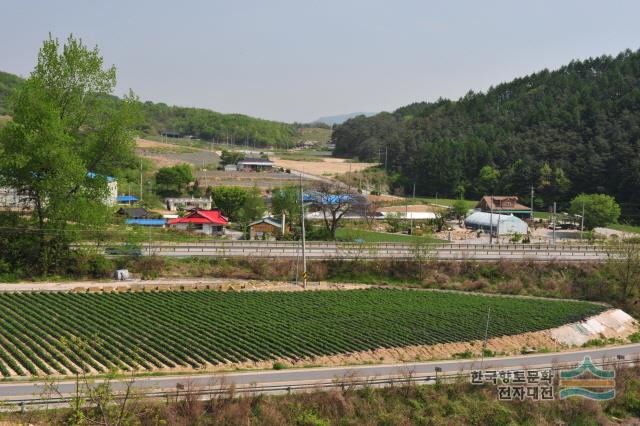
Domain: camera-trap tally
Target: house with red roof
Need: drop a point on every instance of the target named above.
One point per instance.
(210, 222)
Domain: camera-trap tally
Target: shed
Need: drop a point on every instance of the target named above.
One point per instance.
(265, 227)
(147, 222)
(255, 164)
(133, 212)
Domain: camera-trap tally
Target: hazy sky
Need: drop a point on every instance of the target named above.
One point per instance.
(298, 60)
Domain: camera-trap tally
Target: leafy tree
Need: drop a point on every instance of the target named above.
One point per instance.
(230, 200)
(488, 179)
(174, 180)
(253, 207)
(62, 129)
(286, 201)
(459, 209)
(599, 209)
(231, 157)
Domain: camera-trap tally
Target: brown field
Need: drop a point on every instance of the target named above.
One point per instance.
(334, 166)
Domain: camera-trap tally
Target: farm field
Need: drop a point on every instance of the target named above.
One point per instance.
(63, 333)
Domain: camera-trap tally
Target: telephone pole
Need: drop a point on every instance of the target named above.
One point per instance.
(531, 202)
(554, 223)
(582, 223)
(304, 254)
(491, 220)
(140, 179)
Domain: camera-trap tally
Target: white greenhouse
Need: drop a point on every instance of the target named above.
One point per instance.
(502, 224)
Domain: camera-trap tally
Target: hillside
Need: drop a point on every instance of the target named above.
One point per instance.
(572, 130)
(9, 83)
(197, 122)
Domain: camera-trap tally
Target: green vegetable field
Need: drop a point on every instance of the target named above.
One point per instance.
(63, 333)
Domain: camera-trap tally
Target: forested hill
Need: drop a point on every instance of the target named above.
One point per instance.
(202, 123)
(576, 129)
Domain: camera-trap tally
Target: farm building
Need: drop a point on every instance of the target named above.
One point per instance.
(133, 212)
(502, 224)
(187, 203)
(210, 222)
(504, 204)
(265, 228)
(255, 165)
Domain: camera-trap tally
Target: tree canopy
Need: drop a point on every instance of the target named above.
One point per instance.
(60, 147)
(599, 209)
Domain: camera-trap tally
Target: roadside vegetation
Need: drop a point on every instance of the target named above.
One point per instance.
(402, 404)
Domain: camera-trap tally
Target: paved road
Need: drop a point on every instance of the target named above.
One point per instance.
(302, 376)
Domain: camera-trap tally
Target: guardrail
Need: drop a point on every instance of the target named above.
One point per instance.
(344, 383)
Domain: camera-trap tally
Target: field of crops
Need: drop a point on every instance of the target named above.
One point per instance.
(63, 333)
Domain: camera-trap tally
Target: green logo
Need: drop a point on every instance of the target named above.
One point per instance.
(588, 381)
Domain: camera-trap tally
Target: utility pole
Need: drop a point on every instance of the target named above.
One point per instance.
(414, 200)
(554, 223)
(304, 254)
(486, 336)
(140, 179)
(386, 157)
(491, 220)
(582, 223)
(531, 202)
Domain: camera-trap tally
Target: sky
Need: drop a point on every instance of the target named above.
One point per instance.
(297, 60)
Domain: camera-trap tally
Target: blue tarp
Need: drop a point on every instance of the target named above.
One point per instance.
(126, 198)
(146, 222)
(92, 175)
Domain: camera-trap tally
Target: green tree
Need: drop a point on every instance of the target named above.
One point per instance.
(253, 207)
(287, 201)
(230, 200)
(599, 209)
(63, 128)
(230, 157)
(488, 179)
(174, 180)
(459, 209)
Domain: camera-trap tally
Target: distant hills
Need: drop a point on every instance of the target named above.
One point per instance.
(575, 129)
(197, 122)
(339, 119)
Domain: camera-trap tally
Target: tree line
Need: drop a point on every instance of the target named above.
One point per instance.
(158, 118)
(564, 132)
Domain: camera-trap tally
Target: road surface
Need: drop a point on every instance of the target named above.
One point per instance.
(321, 377)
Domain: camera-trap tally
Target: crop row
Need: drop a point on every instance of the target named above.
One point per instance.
(63, 333)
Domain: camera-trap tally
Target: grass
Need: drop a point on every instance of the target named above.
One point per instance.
(349, 234)
(318, 134)
(192, 329)
(447, 201)
(624, 227)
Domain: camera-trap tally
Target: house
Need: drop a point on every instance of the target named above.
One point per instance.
(187, 203)
(210, 222)
(230, 168)
(12, 199)
(504, 204)
(265, 228)
(133, 212)
(112, 188)
(255, 165)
